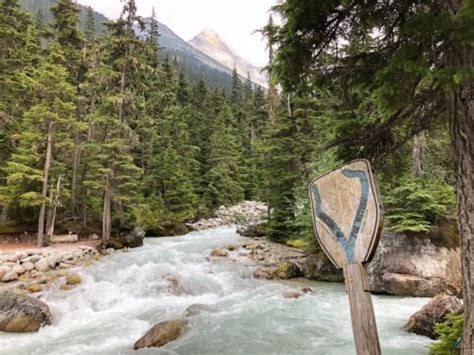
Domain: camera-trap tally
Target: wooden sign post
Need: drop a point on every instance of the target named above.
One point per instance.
(347, 219)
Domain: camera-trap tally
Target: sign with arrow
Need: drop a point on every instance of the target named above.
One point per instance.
(348, 220)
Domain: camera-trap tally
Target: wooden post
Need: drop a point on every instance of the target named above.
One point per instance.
(348, 220)
(362, 311)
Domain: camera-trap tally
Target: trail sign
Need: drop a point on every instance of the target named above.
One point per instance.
(348, 219)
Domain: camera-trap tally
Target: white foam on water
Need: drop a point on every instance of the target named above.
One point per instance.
(125, 294)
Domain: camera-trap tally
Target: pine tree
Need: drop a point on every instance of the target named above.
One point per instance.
(66, 33)
(114, 173)
(172, 177)
(44, 137)
(223, 178)
(90, 26)
(283, 176)
(19, 52)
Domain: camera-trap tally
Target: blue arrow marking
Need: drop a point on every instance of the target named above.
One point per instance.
(348, 245)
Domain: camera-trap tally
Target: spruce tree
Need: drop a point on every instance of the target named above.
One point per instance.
(172, 177)
(44, 138)
(114, 173)
(19, 52)
(223, 178)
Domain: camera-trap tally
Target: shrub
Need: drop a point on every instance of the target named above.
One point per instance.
(415, 205)
(450, 333)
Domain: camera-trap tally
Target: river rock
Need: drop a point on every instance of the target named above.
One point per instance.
(134, 238)
(161, 334)
(219, 252)
(4, 270)
(286, 271)
(33, 288)
(52, 261)
(10, 276)
(18, 269)
(318, 267)
(253, 230)
(21, 313)
(42, 265)
(414, 265)
(73, 279)
(291, 294)
(263, 273)
(32, 259)
(13, 258)
(28, 266)
(423, 321)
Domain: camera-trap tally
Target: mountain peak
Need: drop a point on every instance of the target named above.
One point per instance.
(210, 42)
(209, 38)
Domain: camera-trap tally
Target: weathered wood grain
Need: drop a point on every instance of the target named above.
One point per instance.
(347, 213)
(362, 312)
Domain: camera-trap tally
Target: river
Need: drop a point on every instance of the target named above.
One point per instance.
(122, 296)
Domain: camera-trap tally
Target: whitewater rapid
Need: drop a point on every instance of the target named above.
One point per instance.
(125, 294)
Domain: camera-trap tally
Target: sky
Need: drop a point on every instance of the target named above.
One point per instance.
(234, 20)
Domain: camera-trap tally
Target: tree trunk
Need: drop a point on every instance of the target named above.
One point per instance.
(107, 213)
(418, 155)
(47, 164)
(75, 167)
(52, 212)
(462, 136)
(462, 131)
(3, 216)
(461, 113)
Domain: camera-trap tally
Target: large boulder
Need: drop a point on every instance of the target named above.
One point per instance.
(423, 321)
(286, 271)
(414, 265)
(161, 334)
(318, 267)
(134, 238)
(252, 230)
(131, 239)
(21, 313)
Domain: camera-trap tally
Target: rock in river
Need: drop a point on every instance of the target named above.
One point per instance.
(21, 313)
(161, 334)
(423, 321)
(414, 265)
(318, 267)
(219, 252)
(131, 239)
(73, 279)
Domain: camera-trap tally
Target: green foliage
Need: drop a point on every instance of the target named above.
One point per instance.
(450, 333)
(415, 205)
(224, 176)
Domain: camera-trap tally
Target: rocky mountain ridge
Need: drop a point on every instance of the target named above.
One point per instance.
(210, 42)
